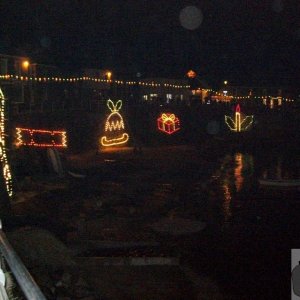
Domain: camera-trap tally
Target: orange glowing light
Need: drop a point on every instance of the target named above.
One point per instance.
(25, 64)
(227, 201)
(41, 138)
(108, 75)
(191, 74)
(168, 123)
(239, 179)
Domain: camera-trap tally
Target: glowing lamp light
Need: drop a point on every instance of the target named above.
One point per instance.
(41, 138)
(239, 123)
(25, 64)
(191, 74)
(168, 123)
(3, 156)
(114, 126)
(108, 75)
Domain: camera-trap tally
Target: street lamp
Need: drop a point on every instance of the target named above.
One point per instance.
(25, 65)
(225, 82)
(108, 75)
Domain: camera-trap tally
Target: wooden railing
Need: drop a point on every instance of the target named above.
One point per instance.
(25, 281)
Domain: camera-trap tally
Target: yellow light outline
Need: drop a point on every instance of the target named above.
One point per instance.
(3, 157)
(117, 141)
(112, 126)
(238, 124)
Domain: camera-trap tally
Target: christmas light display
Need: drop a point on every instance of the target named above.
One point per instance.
(240, 123)
(92, 79)
(41, 138)
(168, 123)
(114, 126)
(3, 157)
(152, 84)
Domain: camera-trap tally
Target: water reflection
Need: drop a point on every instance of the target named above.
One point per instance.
(239, 179)
(233, 175)
(227, 202)
(228, 188)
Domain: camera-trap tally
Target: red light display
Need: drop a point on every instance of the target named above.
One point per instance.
(168, 123)
(41, 138)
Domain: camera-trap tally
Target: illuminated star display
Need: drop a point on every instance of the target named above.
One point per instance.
(3, 157)
(114, 126)
(168, 123)
(41, 138)
(240, 123)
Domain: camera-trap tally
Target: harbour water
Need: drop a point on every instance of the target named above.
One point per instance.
(245, 246)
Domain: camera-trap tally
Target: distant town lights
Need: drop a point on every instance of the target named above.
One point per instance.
(122, 82)
(93, 79)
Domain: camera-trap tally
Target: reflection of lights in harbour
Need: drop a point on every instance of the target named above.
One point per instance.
(239, 179)
(227, 201)
(232, 180)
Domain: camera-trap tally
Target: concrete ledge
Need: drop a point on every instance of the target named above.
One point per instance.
(127, 261)
(89, 245)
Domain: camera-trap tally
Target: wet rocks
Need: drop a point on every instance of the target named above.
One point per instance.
(51, 264)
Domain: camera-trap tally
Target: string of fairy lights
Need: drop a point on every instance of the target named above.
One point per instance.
(91, 79)
(152, 84)
(30, 137)
(114, 132)
(3, 156)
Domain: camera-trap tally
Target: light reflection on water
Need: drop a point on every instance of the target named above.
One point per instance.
(239, 179)
(227, 202)
(236, 191)
(232, 178)
(222, 195)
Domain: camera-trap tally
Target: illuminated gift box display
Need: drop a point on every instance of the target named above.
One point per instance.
(3, 156)
(168, 123)
(114, 126)
(240, 123)
(41, 138)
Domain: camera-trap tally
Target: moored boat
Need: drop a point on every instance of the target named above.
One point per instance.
(280, 182)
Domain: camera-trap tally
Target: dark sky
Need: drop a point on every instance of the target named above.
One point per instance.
(254, 42)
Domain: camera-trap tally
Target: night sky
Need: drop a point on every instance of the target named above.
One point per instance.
(254, 42)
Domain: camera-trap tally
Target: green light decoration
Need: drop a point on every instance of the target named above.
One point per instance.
(239, 123)
(3, 157)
